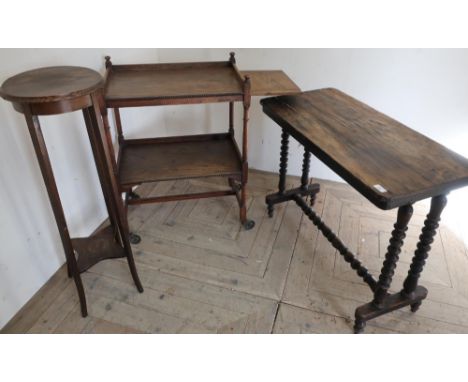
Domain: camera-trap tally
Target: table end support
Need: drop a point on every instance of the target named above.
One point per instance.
(391, 302)
(423, 247)
(310, 191)
(393, 251)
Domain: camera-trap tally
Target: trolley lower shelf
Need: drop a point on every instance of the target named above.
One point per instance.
(160, 159)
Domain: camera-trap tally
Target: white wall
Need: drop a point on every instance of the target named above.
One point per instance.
(425, 89)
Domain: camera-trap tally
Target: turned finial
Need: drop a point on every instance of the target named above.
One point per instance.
(108, 62)
(232, 58)
(247, 80)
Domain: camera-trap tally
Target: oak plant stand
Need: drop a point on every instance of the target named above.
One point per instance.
(62, 89)
(388, 163)
(190, 156)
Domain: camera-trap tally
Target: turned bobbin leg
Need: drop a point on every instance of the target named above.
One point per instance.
(412, 293)
(282, 172)
(305, 169)
(426, 238)
(336, 242)
(388, 268)
(393, 252)
(283, 162)
(311, 190)
(383, 302)
(304, 190)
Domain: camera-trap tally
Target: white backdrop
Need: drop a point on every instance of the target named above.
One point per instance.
(425, 89)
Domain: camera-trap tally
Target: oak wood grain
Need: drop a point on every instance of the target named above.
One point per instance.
(270, 82)
(193, 284)
(51, 84)
(389, 163)
(162, 81)
(189, 157)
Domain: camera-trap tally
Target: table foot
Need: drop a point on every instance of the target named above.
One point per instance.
(312, 199)
(134, 238)
(270, 209)
(415, 306)
(359, 326)
(133, 271)
(84, 309)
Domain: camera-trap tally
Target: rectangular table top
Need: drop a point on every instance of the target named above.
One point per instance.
(386, 161)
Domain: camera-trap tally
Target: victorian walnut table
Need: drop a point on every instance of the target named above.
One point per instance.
(62, 89)
(190, 156)
(390, 164)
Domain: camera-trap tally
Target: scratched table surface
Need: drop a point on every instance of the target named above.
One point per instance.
(386, 161)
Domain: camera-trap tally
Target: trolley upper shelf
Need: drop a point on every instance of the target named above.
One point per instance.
(182, 83)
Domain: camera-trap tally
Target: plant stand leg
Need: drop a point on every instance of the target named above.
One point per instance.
(49, 179)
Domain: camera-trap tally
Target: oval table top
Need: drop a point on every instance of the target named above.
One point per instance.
(51, 84)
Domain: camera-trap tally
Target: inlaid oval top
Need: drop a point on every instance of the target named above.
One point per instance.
(51, 84)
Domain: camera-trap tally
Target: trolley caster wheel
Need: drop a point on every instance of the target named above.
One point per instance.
(415, 306)
(133, 195)
(134, 238)
(249, 224)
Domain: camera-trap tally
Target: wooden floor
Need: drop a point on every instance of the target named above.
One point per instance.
(203, 274)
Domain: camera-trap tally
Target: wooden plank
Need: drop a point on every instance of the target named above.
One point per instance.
(143, 162)
(56, 312)
(151, 82)
(387, 162)
(320, 281)
(73, 322)
(98, 326)
(39, 303)
(292, 319)
(221, 291)
(263, 274)
(201, 307)
(270, 82)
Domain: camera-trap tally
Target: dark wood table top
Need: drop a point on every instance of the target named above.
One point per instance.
(51, 84)
(389, 163)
